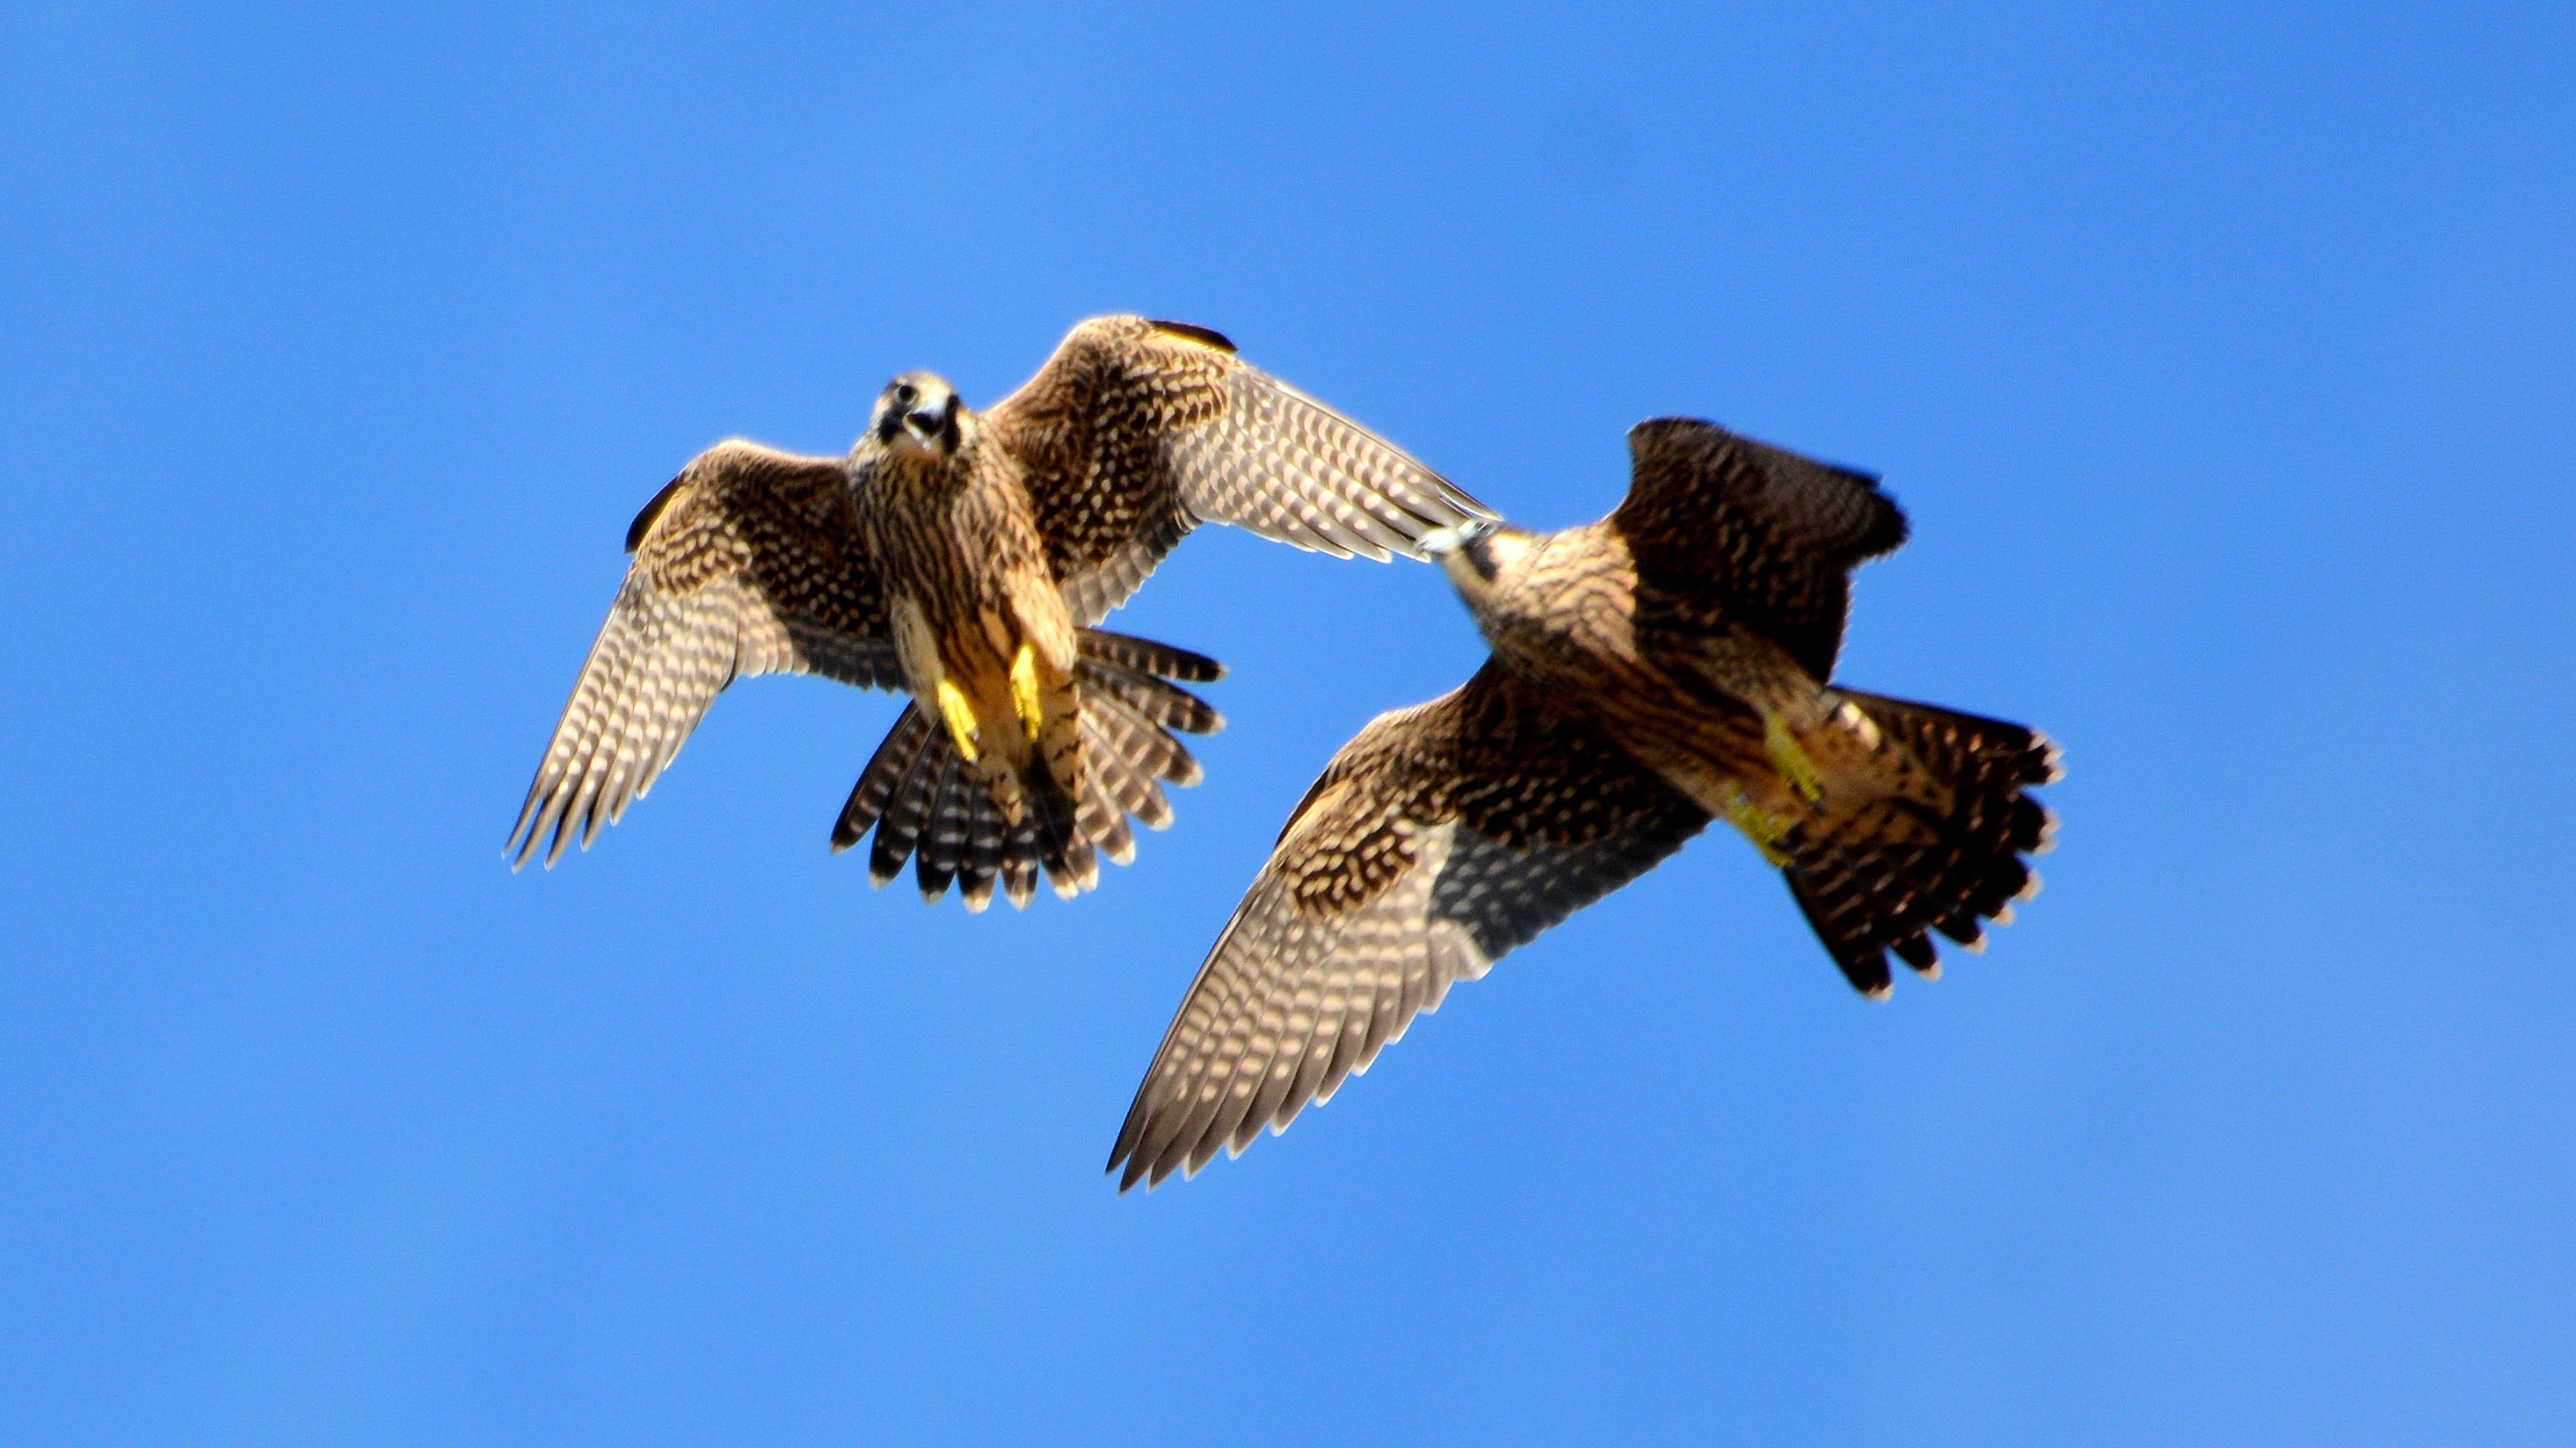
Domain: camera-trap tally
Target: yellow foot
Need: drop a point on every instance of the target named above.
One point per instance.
(1024, 691)
(1765, 829)
(1790, 759)
(961, 719)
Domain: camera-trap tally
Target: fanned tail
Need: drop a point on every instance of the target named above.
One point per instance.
(1924, 831)
(927, 805)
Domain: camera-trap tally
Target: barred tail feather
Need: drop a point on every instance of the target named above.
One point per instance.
(1930, 840)
(1124, 753)
(877, 783)
(926, 804)
(1966, 748)
(1065, 851)
(1144, 656)
(908, 809)
(1150, 698)
(951, 819)
(987, 840)
(1020, 861)
(1102, 819)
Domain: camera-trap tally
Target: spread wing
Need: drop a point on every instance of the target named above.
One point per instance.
(1441, 837)
(748, 562)
(1728, 530)
(1134, 432)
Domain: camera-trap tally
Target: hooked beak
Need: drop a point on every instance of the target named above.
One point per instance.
(1441, 542)
(932, 428)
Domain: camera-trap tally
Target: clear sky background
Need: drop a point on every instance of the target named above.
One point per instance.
(2227, 367)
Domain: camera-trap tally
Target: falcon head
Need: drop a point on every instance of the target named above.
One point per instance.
(919, 410)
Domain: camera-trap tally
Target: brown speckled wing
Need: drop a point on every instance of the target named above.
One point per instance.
(1725, 529)
(749, 562)
(1441, 837)
(1134, 432)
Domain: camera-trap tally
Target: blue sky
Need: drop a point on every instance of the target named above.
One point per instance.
(2223, 362)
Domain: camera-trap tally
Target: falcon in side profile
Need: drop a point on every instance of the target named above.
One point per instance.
(1666, 665)
(965, 557)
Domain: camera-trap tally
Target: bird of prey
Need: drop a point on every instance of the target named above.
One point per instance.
(1669, 664)
(966, 558)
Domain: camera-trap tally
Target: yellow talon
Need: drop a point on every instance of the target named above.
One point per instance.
(1790, 759)
(961, 718)
(1024, 691)
(1762, 827)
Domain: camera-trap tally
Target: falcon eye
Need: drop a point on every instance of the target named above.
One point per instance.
(906, 394)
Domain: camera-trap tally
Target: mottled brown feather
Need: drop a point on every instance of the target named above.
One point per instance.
(1725, 529)
(746, 563)
(1135, 431)
(1440, 838)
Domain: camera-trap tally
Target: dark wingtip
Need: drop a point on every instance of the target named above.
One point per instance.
(1693, 442)
(1655, 432)
(643, 523)
(1204, 336)
(1649, 428)
(1128, 1151)
(1138, 1169)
